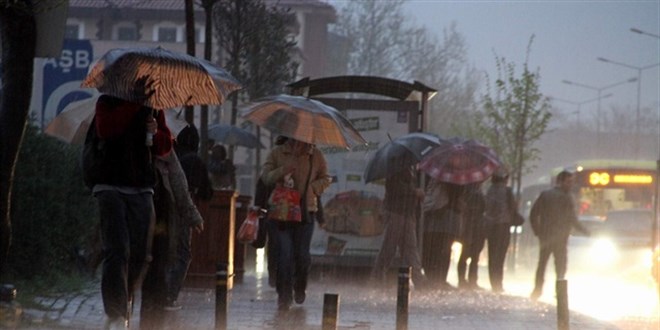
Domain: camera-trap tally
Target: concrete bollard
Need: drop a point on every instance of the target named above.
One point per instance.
(403, 297)
(330, 311)
(221, 305)
(562, 305)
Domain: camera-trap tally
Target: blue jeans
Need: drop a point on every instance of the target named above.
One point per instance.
(127, 222)
(292, 242)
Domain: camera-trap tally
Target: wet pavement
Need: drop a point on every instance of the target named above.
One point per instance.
(253, 305)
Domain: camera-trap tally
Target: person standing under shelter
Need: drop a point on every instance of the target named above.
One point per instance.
(552, 217)
(441, 230)
(499, 210)
(307, 166)
(472, 237)
(118, 166)
(400, 209)
(223, 171)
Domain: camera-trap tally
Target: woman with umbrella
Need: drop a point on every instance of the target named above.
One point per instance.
(308, 168)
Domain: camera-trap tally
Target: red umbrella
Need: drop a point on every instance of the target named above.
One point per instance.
(460, 161)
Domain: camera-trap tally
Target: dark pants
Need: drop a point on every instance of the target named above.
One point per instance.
(153, 287)
(292, 242)
(436, 257)
(471, 250)
(498, 237)
(176, 272)
(271, 251)
(559, 251)
(126, 233)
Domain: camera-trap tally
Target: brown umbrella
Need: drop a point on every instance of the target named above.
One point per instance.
(160, 79)
(303, 119)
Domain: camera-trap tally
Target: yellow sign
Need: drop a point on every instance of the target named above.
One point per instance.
(633, 178)
(599, 179)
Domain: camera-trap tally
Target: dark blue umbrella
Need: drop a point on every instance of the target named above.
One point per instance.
(400, 153)
(233, 135)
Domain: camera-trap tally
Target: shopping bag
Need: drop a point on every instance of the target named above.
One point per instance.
(247, 233)
(284, 202)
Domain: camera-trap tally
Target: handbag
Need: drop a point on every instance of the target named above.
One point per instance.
(247, 232)
(284, 202)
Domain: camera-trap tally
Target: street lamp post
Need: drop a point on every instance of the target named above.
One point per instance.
(639, 92)
(644, 33)
(655, 239)
(579, 106)
(600, 91)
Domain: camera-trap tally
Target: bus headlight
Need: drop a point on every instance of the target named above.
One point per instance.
(604, 252)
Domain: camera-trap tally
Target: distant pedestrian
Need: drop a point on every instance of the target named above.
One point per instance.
(499, 210)
(441, 230)
(223, 171)
(472, 238)
(552, 217)
(401, 208)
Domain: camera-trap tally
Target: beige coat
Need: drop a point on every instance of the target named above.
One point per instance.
(280, 158)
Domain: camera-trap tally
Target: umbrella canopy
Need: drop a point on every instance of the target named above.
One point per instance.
(400, 153)
(303, 119)
(71, 124)
(232, 135)
(460, 161)
(160, 79)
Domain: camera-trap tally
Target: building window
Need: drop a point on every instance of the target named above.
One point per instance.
(72, 31)
(126, 33)
(167, 34)
(199, 35)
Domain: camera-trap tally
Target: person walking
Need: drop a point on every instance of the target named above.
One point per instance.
(305, 164)
(442, 227)
(176, 214)
(552, 217)
(473, 237)
(400, 209)
(197, 186)
(118, 167)
(499, 210)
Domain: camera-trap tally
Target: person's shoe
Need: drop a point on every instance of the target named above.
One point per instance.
(445, 286)
(172, 305)
(299, 296)
(536, 294)
(116, 324)
(283, 305)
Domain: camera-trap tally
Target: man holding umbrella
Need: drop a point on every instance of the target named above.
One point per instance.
(118, 167)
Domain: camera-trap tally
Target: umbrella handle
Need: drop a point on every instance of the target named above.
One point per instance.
(149, 140)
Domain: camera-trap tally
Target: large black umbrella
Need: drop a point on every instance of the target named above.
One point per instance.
(400, 153)
(233, 135)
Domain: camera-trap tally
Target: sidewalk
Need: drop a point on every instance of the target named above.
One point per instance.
(252, 305)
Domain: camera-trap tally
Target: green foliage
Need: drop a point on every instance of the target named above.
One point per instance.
(514, 117)
(255, 39)
(52, 211)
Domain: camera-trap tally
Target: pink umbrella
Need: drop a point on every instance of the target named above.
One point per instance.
(460, 161)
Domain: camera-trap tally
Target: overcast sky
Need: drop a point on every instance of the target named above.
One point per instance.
(569, 37)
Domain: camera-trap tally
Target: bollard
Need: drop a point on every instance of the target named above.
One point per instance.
(403, 297)
(330, 311)
(562, 304)
(221, 280)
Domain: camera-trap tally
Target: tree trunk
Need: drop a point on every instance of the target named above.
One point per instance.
(18, 33)
(190, 48)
